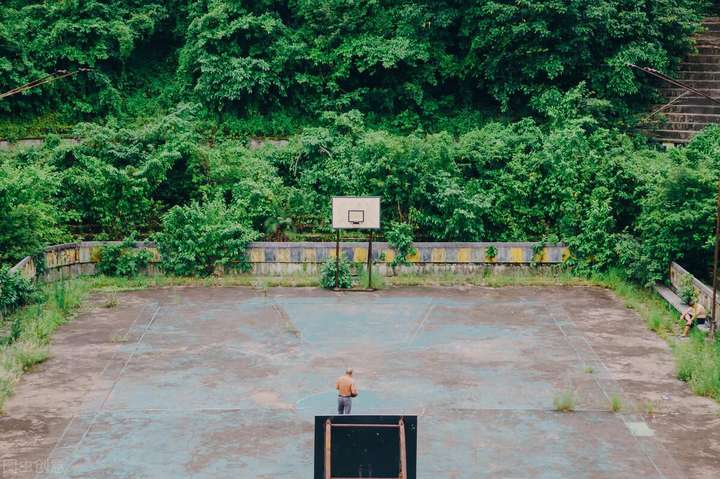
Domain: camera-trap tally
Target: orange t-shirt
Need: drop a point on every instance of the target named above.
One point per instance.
(346, 386)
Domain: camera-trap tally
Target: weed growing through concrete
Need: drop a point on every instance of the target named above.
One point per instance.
(589, 370)
(649, 408)
(615, 403)
(111, 301)
(565, 401)
(120, 338)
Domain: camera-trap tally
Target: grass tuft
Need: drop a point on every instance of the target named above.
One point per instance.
(111, 301)
(698, 363)
(615, 403)
(565, 401)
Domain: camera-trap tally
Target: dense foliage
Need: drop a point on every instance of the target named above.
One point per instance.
(198, 238)
(402, 62)
(400, 238)
(123, 259)
(400, 99)
(29, 216)
(15, 290)
(612, 199)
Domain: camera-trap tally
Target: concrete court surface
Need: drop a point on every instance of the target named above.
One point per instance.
(224, 382)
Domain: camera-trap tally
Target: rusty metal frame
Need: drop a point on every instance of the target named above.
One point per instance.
(328, 446)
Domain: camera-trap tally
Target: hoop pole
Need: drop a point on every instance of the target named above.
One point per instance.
(403, 457)
(337, 260)
(369, 259)
(328, 450)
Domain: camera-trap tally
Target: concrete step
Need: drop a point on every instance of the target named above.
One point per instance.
(701, 85)
(674, 126)
(708, 48)
(697, 58)
(680, 117)
(712, 26)
(674, 135)
(699, 66)
(709, 109)
(675, 91)
(684, 75)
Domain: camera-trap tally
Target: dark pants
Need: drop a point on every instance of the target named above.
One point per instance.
(344, 405)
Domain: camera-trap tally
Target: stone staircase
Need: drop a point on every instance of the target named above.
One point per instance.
(700, 70)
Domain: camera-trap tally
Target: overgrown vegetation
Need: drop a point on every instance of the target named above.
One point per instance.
(267, 66)
(332, 269)
(698, 363)
(613, 202)
(123, 259)
(31, 327)
(15, 291)
(400, 239)
(200, 238)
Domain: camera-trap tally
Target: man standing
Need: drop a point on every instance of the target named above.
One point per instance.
(346, 391)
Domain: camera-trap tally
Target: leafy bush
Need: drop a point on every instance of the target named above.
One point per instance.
(197, 238)
(123, 259)
(327, 273)
(400, 239)
(15, 290)
(29, 217)
(686, 290)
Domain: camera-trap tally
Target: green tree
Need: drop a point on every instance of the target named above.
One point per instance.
(197, 238)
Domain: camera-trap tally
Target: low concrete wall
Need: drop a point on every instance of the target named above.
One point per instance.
(704, 292)
(288, 258)
(269, 258)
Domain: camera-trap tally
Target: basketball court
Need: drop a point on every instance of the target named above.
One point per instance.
(226, 382)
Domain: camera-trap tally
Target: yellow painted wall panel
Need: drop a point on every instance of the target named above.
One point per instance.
(517, 255)
(308, 255)
(257, 255)
(437, 255)
(360, 254)
(282, 255)
(389, 255)
(464, 255)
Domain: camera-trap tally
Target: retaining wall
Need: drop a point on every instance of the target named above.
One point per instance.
(271, 258)
(704, 292)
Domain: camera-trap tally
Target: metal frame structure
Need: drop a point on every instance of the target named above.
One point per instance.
(328, 446)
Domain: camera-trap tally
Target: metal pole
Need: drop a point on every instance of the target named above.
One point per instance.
(337, 260)
(369, 259)
(713, 322)
(328, 449)
(403, 451)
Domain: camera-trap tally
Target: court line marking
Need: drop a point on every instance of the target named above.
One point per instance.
(102, 373)
(624, 417)
(112, 388)
(421, 325)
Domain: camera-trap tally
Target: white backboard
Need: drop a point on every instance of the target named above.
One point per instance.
(356, 212)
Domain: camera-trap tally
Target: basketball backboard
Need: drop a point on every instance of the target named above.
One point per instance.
(356, 212)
